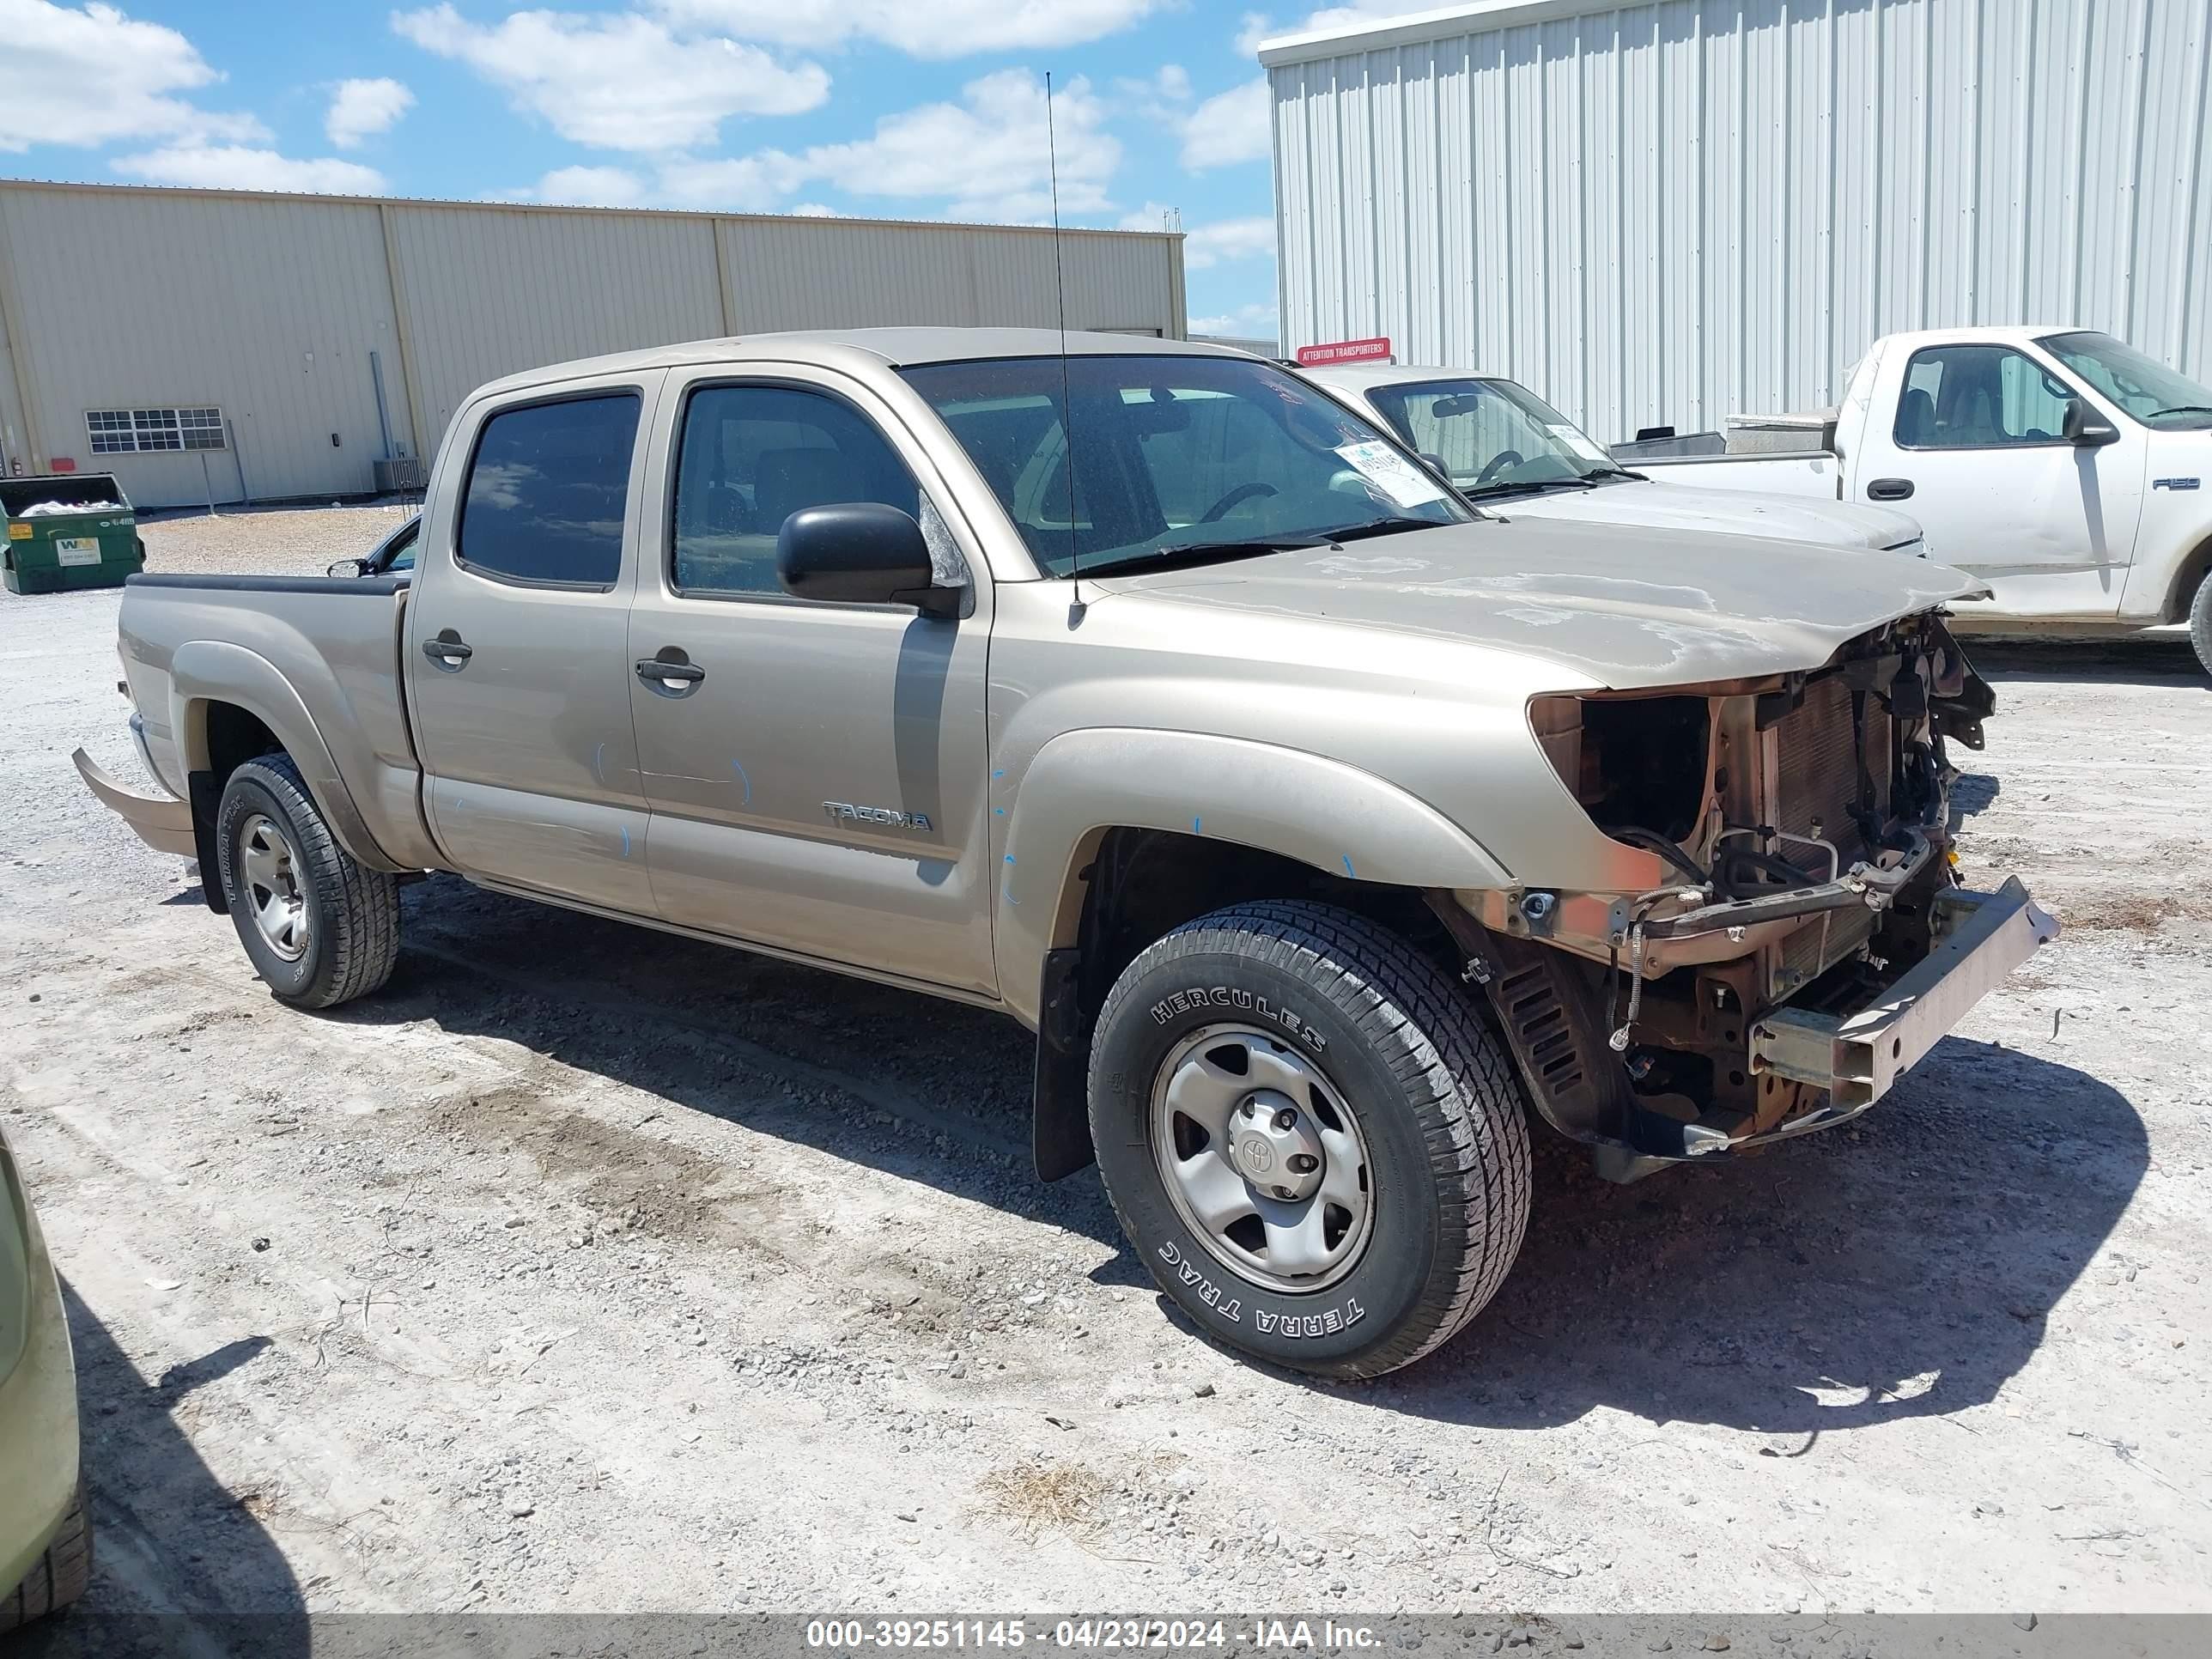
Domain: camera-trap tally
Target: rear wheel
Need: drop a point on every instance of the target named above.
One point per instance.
(320, 927)
(1309, 1137)
(57, 1577)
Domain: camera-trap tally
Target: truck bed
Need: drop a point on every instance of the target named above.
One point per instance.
(318, 657)
(1817, 473)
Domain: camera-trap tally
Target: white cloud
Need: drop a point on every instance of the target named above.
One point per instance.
(1259, 26)
(1208, 244)
(815, 210)
(985, 155)
(1232, 126)
(1256, 321)
(361, 109)
(736, 184)
(619, 81)
(920, 28)
(90, 76)
(1228, 239)
(240, 167)
(589, 187)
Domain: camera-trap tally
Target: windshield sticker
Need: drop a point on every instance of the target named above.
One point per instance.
(1573, 439)
(1406, 484)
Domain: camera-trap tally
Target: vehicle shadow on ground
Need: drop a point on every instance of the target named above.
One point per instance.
(925, 1089)
(1899, 1267)
(2123, 662)
(169, 1539)
(1904, 1268)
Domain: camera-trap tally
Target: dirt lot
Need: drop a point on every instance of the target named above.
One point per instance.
(590, 1269)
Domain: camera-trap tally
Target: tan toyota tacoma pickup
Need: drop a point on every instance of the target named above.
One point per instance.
(1319, 824)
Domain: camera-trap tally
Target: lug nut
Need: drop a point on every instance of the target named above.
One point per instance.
(1303, 1163)
(1285, 1194)
(1285, 1119)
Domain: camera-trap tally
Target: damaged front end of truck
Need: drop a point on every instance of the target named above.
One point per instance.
(1808, 938)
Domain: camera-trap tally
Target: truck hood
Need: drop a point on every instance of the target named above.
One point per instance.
(1720, 513)
(1623, 610)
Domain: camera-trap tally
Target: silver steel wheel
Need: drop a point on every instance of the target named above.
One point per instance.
(268, 868)
(1263, 1157)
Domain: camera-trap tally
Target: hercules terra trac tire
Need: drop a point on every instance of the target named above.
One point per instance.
(345, 933)
(1317, 992)
(56, 1578)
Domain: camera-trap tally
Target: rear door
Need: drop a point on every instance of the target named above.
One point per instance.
(815, 771)
(1975, 450)
(517, 676)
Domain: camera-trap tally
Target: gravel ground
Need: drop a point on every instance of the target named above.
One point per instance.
(590, 1269)
(281, 541)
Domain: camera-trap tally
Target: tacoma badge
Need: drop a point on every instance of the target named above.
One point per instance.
(845, 811)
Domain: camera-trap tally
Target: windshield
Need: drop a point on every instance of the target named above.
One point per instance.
(2145, 388)
(1174, 455)
(1492, 435)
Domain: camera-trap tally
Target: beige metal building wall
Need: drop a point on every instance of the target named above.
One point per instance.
(1667, 213)
(269, 306)
(266, 308)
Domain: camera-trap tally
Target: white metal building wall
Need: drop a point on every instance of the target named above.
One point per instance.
(1667, 213)
(268, 308)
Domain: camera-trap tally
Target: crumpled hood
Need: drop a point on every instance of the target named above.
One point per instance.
(1720, 513)
(1625, 608)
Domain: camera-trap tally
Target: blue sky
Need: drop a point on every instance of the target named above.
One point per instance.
(898, 109)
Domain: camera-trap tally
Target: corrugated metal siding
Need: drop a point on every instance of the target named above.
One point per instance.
(268, 306)
(1668, 213)
(488, 292)
(268, 310)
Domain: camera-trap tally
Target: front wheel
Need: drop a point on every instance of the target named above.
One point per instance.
(2200, 622)
(1309, 1137)
(321, 928)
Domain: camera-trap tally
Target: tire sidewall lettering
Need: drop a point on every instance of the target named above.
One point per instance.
(1359, 1309)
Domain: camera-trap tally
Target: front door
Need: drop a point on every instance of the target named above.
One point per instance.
(518, 676)
(1977, 440)
(817, 772)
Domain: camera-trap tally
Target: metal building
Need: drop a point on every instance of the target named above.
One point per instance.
(1667, 213)
(233, 344)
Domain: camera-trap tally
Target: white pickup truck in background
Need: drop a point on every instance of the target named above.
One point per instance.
(2062, 466)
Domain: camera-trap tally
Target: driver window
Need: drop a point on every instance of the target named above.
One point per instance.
(1978, 396)
(750, 456)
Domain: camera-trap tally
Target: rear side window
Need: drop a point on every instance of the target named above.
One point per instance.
(546, 492)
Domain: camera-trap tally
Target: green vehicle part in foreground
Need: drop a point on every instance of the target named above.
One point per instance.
(45, 1538)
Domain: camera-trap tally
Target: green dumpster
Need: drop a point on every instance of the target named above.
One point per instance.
(70, 529)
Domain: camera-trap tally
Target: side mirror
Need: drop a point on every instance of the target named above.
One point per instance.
(858, 553)
(1436, 465)
(348, 567)
(2087, 428)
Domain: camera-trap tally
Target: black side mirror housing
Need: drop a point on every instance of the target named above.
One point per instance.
(858, 553)
(2087, 428)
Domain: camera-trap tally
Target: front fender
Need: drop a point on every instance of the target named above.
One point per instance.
(205, 671)
(1321, 812)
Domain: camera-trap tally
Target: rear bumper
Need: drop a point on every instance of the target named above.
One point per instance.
(1858, 1054)
(163, 823)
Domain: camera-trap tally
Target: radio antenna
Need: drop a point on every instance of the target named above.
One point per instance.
(1059, 292)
